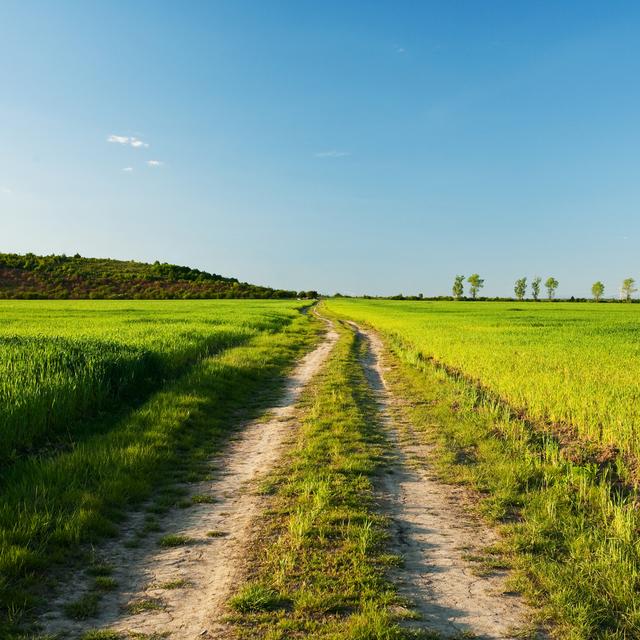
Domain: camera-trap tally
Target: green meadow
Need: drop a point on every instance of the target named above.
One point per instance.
(107, 407)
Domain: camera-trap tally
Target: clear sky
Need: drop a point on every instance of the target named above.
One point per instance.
(361, 147)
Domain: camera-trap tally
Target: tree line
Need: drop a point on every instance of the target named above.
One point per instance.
(476, 283)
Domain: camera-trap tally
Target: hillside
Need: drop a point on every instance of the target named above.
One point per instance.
(63, 277)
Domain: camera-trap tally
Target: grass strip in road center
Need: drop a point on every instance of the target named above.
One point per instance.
(319, 569)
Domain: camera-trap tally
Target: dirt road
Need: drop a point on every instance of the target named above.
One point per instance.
(436, 535)
(180, 590)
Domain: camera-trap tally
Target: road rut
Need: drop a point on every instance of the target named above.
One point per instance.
(181, 591)
(435, 534)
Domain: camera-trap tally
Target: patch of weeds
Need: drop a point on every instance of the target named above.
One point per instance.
(100, 569)
(105, 583)
(132, 543)
(179, 583)
(202, 498)
(257, 597)
(392, 560)
(101, 634)
(83, 608)
(175, 540)
(144, 604)
(216, 534)
(151, 524)
(158, 509)
(268, 487)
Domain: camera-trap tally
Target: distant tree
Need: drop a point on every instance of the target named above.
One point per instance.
(520, 288)
(535, 287)
(458, 287)
(475, 284)
(597, 290)
(628, 288)
(551, 284)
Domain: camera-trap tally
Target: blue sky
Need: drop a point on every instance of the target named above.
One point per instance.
(361, 147)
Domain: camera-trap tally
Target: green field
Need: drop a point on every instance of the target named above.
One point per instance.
(565, 364)
(112, 407)
(102, 404)
(534, 407)
(61, 361)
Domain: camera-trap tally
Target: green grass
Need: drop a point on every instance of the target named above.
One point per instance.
(256, 598)
(99, 634)
(571, 533)
(53, 503)
(84, 607)
(178, 583)
(175, 540)
(318, 571)
(142, 605)
(561, 364)
(64, 362)
(105, 583)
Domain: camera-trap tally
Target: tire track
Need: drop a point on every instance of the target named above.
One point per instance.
(147, 600)
(435, 534)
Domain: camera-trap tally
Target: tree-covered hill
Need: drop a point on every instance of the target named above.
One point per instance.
(63, 277)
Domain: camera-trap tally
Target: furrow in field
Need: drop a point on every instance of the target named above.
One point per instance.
(435, 534)
(180, 589)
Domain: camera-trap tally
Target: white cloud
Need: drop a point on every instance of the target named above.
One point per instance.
(6, 191)
(118, 139)
(332, 153)
(154, 163)
(128, 169)
(400, 50)
(136, 143)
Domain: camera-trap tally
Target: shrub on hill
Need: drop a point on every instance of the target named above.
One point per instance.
(73, 277)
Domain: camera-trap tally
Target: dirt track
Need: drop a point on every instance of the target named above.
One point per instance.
(207, 568)
(436, 535)
(181, 591)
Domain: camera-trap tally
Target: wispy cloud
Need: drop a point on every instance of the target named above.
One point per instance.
(128, 169)
(332, 153)
(136, 143)
(400, 50)
(5, 190)
(155, 163)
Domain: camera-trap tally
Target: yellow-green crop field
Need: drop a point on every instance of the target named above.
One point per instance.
(577, 364)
